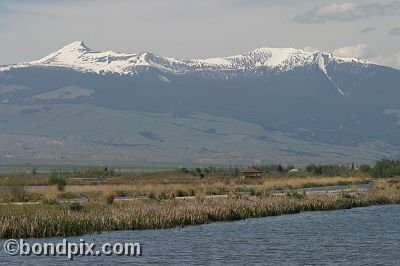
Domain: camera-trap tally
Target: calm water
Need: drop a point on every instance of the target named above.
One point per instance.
(360, 236)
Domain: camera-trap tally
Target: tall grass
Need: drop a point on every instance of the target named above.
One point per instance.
(299, 182)
(168, 188)
(13, 189)
(19, 221)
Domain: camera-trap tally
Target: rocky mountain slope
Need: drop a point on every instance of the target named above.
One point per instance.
(348, 106)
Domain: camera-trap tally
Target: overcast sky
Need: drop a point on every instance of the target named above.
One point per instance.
(31, 29)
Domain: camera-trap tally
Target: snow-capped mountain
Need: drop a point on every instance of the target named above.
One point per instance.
(279, 101)
(79, 57)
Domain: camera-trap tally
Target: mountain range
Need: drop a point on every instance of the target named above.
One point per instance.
(286, 105)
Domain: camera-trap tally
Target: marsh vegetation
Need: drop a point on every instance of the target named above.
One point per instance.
(65, 203)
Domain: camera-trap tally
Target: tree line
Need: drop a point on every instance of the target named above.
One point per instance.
(381, 169)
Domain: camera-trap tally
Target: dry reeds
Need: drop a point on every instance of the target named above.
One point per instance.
(303, 182)
(21, 221)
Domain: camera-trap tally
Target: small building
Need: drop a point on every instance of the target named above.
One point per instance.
(250, 172)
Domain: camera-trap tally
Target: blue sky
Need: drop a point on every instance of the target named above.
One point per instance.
(31, 29)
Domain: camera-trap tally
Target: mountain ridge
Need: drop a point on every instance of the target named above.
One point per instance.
(305, 105)
(79, 57)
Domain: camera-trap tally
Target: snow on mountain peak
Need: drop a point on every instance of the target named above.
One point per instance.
(66, 54)
(79, 57)
(78, 45)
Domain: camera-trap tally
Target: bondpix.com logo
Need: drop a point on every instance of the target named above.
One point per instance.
(20, 247)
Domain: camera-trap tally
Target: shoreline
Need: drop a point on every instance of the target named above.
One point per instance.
(62, 220)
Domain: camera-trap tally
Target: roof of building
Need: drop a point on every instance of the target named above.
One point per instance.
(250, 170)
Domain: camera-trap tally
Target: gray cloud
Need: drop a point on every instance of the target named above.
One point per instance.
(392, 60)
(347, 11)
(31, 29)
(363, 51)
(258, 3)
(368, 29)
(395, 31)
(358, 51)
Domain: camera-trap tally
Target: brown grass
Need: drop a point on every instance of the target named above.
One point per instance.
(297, 182)
(169, 188)
(43, 220)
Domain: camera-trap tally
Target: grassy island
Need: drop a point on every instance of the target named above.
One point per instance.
(43, 220)
(96, 200)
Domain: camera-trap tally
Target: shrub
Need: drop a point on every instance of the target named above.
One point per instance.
(34, 170)
(16, 188)
(110, 198)
(163, 196)
(76, 206)
(365, 168)
(151, 195)
(183, 170)
(50, 201)
(296, 195)
(181, 193)
(58, 180)
(95, 172)
(386, 168)
(328, 170)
